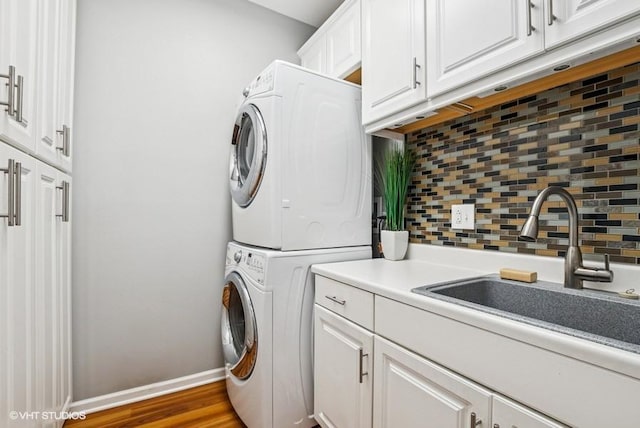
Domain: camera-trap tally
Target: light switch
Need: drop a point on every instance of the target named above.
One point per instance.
(463, 216)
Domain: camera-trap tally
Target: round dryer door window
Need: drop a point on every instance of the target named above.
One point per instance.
(239, 332)
(248, 155)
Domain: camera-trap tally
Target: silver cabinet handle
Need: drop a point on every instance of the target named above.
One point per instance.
(474, 421)
(10, 103)
(19, 99)
(528, 7)
(336, 300)
(17, 213)
(10, 170)
(416, 66)
(65, 201)
(66, 134)
(550, 17)
(361, 365)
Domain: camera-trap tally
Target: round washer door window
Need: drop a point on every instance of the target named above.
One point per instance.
(248, 155)
(239, 332)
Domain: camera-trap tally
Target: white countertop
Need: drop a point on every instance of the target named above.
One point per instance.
(396, 279)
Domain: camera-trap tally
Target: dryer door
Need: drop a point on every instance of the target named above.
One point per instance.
(248, 155)
(239, 331)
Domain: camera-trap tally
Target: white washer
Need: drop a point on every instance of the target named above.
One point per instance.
(300, 170)
(267, 307)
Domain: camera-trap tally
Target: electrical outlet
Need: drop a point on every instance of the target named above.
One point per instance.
(463, 216)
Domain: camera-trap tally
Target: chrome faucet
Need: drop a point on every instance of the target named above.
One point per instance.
(574, 271)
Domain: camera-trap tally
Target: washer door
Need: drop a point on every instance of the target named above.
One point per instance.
(239, 332)
(248, 155)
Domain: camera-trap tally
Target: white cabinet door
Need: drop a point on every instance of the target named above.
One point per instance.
(467, 40)
(343, 43)
(56, 44)
(393, 56)
(48, 58)
(52, 289)
(66, 75)
(17, 287)
(569, 19)
(315, 56)
(410, 391)
(18, 34)
(342, 372)
(46, 286)
(508, 414)
(62, 294)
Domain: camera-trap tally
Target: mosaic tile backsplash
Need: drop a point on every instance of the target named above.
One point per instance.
(582, 136)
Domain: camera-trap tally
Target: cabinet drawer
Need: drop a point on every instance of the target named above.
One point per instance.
(350, 302)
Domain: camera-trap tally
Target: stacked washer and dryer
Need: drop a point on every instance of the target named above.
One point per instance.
(300, 178)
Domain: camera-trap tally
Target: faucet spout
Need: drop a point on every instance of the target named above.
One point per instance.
(574, 271)
(530, 229)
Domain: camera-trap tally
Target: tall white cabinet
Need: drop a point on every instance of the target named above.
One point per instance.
(36, 63)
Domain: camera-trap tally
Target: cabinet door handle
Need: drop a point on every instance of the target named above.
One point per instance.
(361, 365)
(10, 103)
(65, 201)
(17, 213)
(336, 300)
(474, 421)
(10, 170)
(550, 17)
(19, 99)
(66, 133)
(416, 66)
(530, 28)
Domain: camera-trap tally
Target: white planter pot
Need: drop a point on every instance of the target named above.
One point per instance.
(394, 244)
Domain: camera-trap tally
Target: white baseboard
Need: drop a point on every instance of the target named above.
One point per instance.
(115, 399)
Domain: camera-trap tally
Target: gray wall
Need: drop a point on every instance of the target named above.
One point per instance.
(157, 84)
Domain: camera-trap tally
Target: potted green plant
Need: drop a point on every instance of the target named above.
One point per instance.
(394, 175)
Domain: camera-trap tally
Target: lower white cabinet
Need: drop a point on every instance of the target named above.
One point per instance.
(410, 390)
(508, 414)
(18, 341)
(342, 371)
(35, 281)
(365, 380)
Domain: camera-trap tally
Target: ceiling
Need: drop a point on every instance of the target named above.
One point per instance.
(312, 12)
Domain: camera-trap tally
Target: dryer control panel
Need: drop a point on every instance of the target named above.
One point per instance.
(262, 83)
(251, 263)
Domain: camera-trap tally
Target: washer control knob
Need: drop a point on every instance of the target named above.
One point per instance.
(245, 92)
(237, 256)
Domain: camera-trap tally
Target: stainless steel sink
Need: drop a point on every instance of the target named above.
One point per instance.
(596, 316)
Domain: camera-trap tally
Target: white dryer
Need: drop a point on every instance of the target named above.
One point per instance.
(267, 306)
(300, 170)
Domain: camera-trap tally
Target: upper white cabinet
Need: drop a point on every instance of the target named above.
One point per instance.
(393, 56)
(569, 19)
(468, 40)
(419, 56)
(335, 48)
(56, 44)
(37, 41)
(18, 34)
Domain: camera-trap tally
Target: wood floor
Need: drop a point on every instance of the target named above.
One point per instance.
(204, 406)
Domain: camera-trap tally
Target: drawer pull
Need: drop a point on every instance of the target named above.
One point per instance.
(336, 300)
